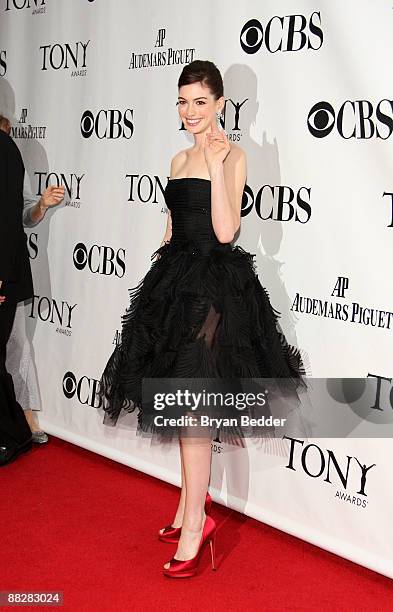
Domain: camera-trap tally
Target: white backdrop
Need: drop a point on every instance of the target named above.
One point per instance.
(90, 88)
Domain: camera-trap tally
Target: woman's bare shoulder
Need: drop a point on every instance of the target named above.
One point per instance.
(177, 161)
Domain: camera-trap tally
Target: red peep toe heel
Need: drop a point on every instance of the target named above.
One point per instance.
(188, 568)
(172, 534)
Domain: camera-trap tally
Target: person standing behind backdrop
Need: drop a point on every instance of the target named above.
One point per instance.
(16, 285)
(20, 362)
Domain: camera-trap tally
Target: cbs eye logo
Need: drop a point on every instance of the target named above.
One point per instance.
(251, 36)
(69, 385)
(247, 201)
(321, 119)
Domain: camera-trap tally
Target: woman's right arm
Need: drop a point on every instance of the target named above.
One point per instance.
(168, 231)
(167, 235)
(177, 161)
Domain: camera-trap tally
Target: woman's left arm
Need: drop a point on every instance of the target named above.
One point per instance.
(227, 184)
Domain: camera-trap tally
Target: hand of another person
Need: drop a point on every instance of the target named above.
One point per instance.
(52, 196)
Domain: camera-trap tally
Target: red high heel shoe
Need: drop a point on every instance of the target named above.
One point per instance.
(172, 534)
(188, 568)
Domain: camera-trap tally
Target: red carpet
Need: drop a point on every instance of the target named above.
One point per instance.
(77, 522)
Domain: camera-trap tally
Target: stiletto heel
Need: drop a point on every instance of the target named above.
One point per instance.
(172, 534)
(188, 568)
(212, 543)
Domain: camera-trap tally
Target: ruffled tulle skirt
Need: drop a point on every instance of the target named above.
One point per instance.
(199, 313)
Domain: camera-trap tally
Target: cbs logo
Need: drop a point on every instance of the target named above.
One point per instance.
(358, 119)
(110, 123)
(100, 259)
(289, 33)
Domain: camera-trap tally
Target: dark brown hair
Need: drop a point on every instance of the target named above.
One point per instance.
(5, 124)
(205, 72)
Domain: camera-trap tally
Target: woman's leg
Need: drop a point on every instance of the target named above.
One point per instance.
(20, 363)
(195, 461)
(196, 454)
(32, 420)
(178, 520)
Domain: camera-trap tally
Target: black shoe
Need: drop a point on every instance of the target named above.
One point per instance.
(9, 453)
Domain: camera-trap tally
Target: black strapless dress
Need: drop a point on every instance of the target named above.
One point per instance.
(200, 312)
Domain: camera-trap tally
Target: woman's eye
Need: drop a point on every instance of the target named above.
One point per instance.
(183, 102)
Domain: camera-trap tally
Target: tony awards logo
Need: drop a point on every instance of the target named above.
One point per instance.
(37, 6)
(65, 56)
(319, 463)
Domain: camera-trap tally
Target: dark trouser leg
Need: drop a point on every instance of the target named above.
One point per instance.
(14, 429)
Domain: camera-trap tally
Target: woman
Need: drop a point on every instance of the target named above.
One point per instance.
(200, 311)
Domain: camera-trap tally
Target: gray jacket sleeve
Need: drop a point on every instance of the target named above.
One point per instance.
(29, 201)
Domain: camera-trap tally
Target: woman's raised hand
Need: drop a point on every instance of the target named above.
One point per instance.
(216, 147)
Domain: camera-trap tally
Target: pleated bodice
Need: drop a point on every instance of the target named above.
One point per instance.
(189, 200)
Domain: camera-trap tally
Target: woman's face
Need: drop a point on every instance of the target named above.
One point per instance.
(197, 107)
